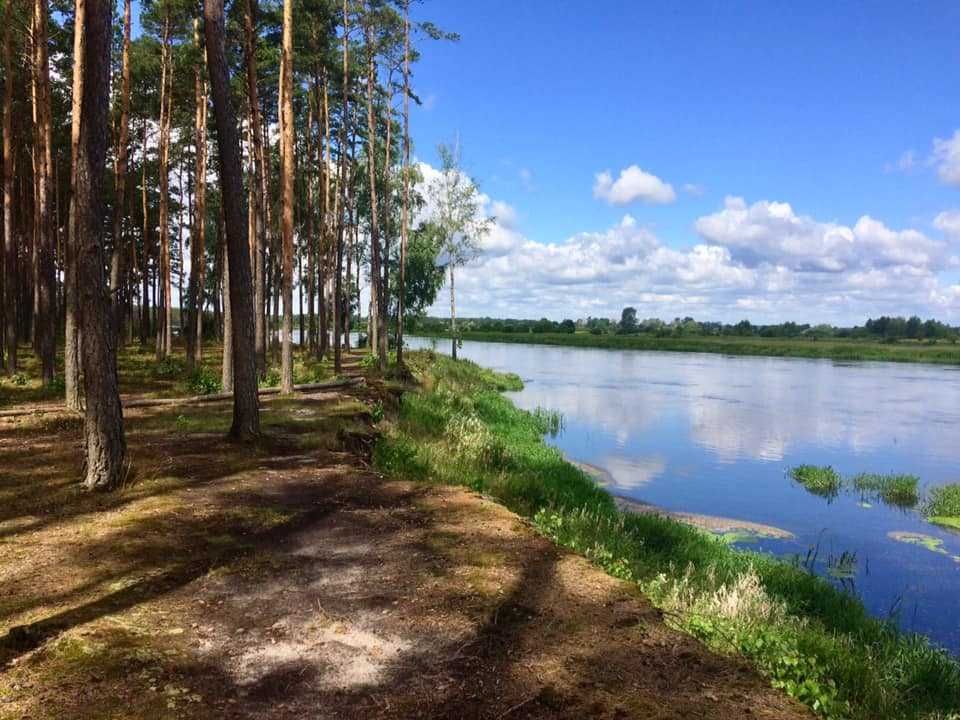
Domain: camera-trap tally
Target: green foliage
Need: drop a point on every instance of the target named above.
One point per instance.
(271, 378)
(820, 480)
(899, 490)
(815, 642)
(203, 381)
(58, 384)
(943, 501)
(19, 379)
(168, 368)
(376, 412)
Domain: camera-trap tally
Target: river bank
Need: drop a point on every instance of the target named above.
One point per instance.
(830, 349)
(289, 578)
(807, 637)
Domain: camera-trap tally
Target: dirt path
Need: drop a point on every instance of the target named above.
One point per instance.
(290, 581)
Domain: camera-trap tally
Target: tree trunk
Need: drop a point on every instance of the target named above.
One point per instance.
(260, 179)
(116, 257)
(46, 320)
(453, 315)
(9, 234)
(374, 324)
(310, 286)
(405, 209)
(246, 414)
(286, 170)
(338, 278)
(227, 374)
(145, 265)
(71, 351)
(165, 345)
(326, 231)
(103, 419)
(198, 235)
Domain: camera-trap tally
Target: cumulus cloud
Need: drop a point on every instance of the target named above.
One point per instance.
(948, 222)
(946, 157)
(632, 185)
(771, 232)
(761, 260)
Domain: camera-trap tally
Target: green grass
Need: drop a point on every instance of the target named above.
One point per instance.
(943, 501)
(815, 642)
(820, 480)
(850, 350)
(899, 490)
(942, 506)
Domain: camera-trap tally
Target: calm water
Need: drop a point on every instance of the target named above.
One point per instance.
(716, 435)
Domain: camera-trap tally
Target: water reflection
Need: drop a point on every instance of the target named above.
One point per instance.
(716, 435)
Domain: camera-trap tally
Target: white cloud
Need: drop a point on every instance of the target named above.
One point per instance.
(693, 189)
(762, 260)
(632, 185)
(946, 156)
(948, 222)
(771, 232)
(905, 163)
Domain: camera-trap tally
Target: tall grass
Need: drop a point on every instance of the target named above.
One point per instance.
(820, 480)
(899, 490)
(815, 642)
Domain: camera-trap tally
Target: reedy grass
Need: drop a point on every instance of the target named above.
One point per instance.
(943, 501)
(899, 490)
(815, 642)
(819, 479)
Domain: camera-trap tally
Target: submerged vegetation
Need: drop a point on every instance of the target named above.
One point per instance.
(899, 490)
(819, 480)
(812, 640)
(942, 507)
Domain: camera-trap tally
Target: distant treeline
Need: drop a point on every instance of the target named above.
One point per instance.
(888, 329)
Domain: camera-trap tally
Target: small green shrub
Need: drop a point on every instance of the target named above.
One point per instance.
(899, 490)
(168, 367)
(58, 384)
(944, 501)
(203, 382)
(376, 411)
(819, 479)
(19, 379)
(271, 378)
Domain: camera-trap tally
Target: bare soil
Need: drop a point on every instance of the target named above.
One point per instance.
(290, 580)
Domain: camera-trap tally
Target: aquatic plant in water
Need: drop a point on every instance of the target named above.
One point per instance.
(933, 544)
(943, 506)
(819, 479)
(899, 490)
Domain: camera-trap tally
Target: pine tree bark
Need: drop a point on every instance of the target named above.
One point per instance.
(246, 414)
(9, 233)
(199, 234)
(117, 270)
(375, 322)
(342, 195)
(165, 337)
(227, 368)
(286, 169)
(145, 264)
(405, 209)
(310, 286)
(103, 418)
(260, 180)
(46, 326)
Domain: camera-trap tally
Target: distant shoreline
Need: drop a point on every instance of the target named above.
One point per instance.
(942, 353)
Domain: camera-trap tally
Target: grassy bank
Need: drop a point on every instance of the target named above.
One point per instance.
(816, 643)
(836, 349)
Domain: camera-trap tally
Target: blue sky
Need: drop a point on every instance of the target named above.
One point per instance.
(741, 108)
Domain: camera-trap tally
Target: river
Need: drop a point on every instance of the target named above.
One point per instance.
(717, 435)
